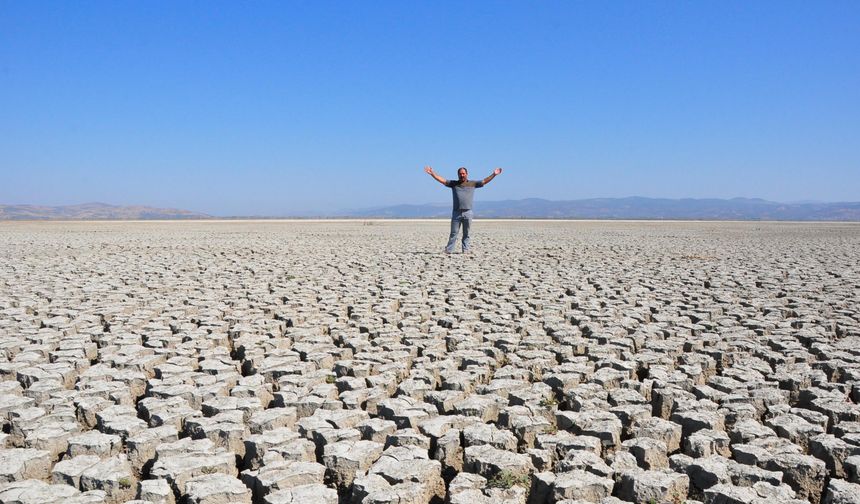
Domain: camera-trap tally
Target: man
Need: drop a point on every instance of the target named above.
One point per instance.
(464, 191)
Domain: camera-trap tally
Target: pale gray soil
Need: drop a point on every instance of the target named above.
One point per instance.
(274, 361)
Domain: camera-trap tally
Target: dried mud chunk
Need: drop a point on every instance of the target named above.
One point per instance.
(17, 464)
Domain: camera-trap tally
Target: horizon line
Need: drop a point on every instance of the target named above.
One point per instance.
(216, 220)
(354, 209)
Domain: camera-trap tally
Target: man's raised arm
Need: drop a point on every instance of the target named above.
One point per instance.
(435, 175)
(492, 176)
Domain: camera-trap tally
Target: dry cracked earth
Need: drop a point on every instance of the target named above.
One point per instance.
(353, 362)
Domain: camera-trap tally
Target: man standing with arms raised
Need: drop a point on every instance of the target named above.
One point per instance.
(464, 192)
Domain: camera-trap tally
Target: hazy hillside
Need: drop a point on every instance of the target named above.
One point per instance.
(93, 211)
(535, 208)
(634, 208)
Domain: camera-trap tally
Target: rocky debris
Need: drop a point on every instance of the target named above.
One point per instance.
(327, 362)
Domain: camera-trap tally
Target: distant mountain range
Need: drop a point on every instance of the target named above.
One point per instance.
(532, 208)
(633, 208)
(94, 211)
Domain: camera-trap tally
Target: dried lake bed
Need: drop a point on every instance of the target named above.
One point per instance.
(353, 362)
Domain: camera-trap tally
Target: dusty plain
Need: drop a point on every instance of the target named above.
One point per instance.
(353, 362)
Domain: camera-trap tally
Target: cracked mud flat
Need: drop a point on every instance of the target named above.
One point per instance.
(352, 362)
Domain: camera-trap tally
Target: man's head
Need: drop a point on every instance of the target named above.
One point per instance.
(462, 174)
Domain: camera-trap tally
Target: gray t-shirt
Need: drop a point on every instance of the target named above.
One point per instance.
(463, 193)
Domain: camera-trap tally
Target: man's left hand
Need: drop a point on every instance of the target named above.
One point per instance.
(497, 171)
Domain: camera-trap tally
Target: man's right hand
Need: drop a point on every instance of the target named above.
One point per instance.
(437, 178)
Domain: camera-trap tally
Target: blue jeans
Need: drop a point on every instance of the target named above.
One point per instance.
(459, 217)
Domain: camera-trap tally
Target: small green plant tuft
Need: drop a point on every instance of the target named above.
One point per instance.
(507, 479)
(124, 482)
(549, 402)
(209, 470)
(330, 379)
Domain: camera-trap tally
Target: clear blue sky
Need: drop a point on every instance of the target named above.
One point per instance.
(243, 108)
